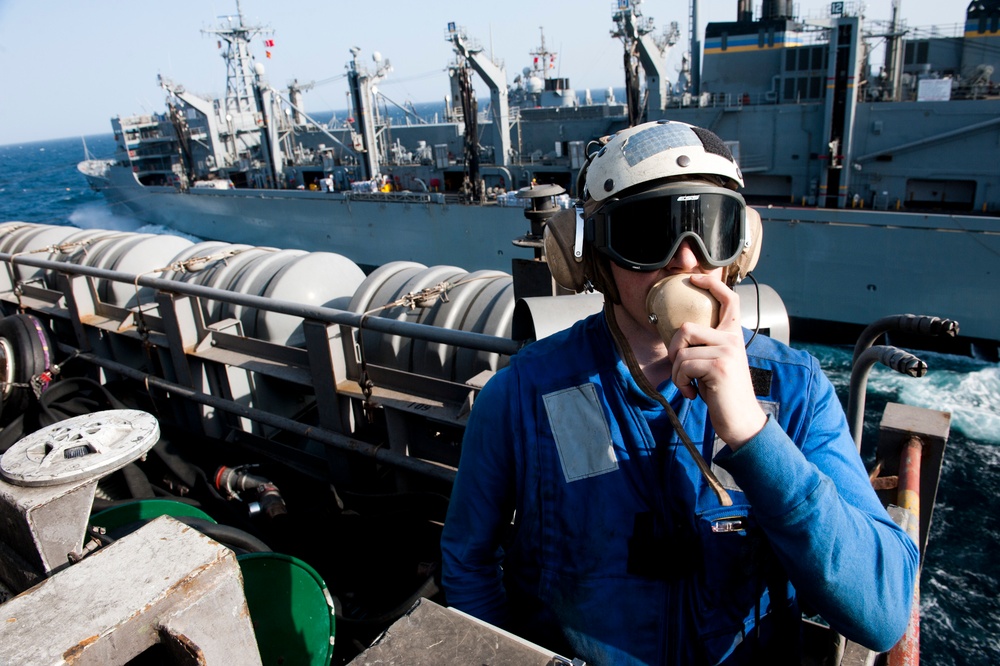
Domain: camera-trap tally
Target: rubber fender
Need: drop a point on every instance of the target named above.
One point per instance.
(30, 353)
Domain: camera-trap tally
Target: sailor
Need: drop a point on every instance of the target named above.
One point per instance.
(629, 493)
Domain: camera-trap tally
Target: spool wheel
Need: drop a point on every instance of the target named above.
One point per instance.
(26, 351)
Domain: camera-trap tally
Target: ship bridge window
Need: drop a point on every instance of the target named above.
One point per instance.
(916, 53)
(818, 57)
(805, 58)
(802, 87)
(815, 87)
(989, 22)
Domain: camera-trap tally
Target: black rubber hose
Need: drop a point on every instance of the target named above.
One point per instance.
(137, 482)
(231, 537)
(427, 590)
(166, 451)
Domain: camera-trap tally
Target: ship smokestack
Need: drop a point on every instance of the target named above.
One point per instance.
(695, 48)
(893, 55)
(744, 11)
(776, 9)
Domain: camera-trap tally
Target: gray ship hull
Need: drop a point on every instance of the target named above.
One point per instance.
(849, 266)
(837, 266)
(370, 229)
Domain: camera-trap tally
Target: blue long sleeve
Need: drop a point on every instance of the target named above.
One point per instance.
(480, 511)
(841, 550)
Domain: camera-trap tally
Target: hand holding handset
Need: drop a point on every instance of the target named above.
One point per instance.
(674, 300)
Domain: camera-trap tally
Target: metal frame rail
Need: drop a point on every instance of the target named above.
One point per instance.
(207, 363)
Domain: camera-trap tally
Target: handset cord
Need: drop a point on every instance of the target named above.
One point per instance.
(640, 378)
(756, 326)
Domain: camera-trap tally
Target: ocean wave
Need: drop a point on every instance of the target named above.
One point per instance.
(966, 387)
(973, 398)
(944, 595)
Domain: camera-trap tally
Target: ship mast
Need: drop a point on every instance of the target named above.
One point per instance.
(695, 41)
(362, 84)
(894, 55)
(542, 58)
(496, 79)
(643, 48)
(240, 76)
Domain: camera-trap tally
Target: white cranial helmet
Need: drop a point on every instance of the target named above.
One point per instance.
(655, 151)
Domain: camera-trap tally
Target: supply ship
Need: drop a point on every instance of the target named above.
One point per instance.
(877, 182)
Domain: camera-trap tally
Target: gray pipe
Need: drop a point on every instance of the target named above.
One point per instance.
(897, 359)
(341, 442)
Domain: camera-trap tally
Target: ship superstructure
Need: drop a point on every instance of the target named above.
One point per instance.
(867, 168)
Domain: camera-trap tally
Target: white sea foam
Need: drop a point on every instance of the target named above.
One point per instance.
(97, 215)
(968, 388)
(972, 397)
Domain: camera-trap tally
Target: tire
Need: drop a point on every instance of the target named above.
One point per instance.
(28, 352)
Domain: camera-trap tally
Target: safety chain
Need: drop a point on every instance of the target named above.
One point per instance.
(58, 248)
(195, 264)
(368, 406)
(425, 297)
(18, 292)
(192, 265)
(413, 300)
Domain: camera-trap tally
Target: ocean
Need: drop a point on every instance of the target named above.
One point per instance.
(960, 582)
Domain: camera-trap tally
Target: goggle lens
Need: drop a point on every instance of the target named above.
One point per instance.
(644, 233)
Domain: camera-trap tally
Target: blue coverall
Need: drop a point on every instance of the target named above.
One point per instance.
(578, 516)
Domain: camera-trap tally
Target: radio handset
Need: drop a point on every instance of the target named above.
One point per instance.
(674, 300)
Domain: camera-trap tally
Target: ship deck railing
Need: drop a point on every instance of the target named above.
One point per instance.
(405, 197)
(166, 343)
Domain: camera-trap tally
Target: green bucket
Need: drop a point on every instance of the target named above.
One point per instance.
(144, 510)
(291, 609)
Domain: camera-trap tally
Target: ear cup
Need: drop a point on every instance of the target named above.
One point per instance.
(559, 237)
(748, 258)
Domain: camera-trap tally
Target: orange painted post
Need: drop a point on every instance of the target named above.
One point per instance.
(907, 651)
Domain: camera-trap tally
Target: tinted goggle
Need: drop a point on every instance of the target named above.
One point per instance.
(642, 232)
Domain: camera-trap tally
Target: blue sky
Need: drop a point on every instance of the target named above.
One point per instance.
(68, 66)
